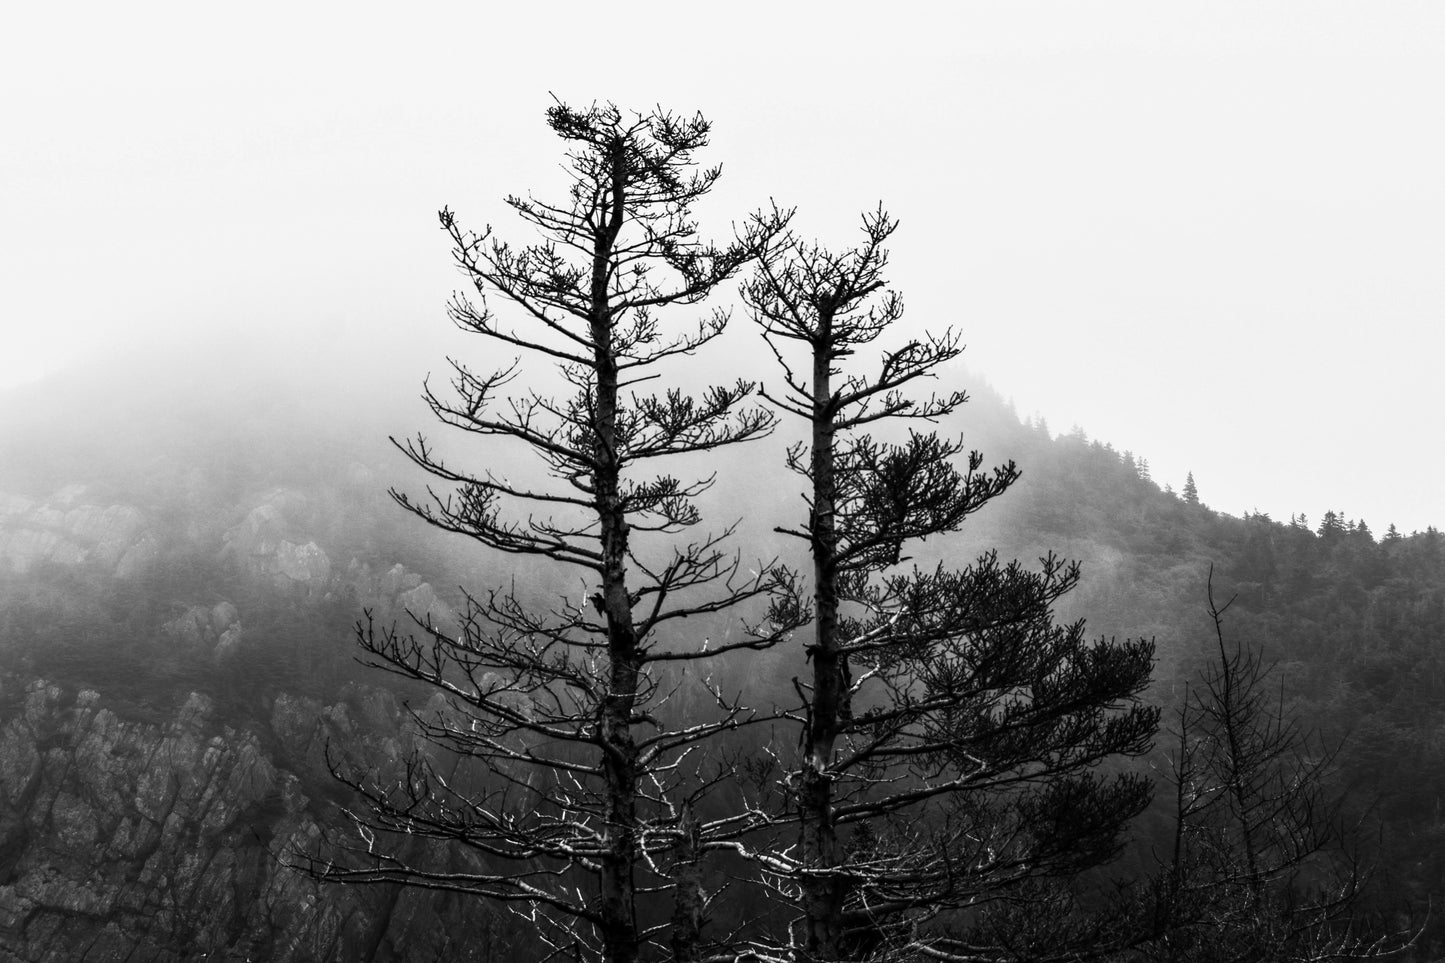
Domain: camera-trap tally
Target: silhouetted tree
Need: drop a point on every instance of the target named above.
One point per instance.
(1332, 525)
(1260, 867)
(584, 800)
(1191, 491)
(948, 727)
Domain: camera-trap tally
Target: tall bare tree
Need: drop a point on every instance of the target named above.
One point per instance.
(584, 805)
(949, 728)
(1262, 865)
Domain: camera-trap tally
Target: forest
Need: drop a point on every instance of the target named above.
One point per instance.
(622, 653)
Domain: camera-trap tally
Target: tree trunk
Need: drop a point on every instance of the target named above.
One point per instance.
(618, 894)
(689, 901)
(823, 888)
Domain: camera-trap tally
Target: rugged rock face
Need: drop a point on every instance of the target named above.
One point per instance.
(261, 546)
(392, 594)
(140, 822)
(124, 840)
(270, 546)
(267, 548)
(66, 530)
(215, 628)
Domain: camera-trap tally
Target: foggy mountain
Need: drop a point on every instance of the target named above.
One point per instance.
(185, 548)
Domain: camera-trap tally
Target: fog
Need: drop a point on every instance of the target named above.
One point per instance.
(1205, 235)
(1210, 234)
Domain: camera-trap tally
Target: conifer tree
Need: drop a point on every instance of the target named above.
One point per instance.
(1331, 525)
(577, 813)
(1191, 492)
(948, 727)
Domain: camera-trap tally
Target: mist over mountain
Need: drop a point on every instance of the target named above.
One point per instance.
(187, 541)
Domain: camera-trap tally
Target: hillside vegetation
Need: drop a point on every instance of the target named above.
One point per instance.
(176, 577)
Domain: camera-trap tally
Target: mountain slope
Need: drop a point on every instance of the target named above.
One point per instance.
(178, 586)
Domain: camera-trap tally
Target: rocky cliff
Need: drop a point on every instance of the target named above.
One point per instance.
(156, 781)
(66, 530)
(124, 840)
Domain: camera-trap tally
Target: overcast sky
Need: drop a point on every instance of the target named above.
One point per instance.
(1212, 233)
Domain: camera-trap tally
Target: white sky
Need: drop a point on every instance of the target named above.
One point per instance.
(1213, 233)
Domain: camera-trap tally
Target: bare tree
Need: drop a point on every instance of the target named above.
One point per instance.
(583, 808)
(949, 728)
(1262, 864)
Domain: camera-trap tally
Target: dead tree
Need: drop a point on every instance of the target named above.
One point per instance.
(1262, 864)
(581, 810)
(949, 728)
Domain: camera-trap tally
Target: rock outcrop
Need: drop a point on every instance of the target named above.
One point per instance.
(264, 546)
(141, 820)
(397, 595)
(124, 840)
(215, 628)
(65, 529)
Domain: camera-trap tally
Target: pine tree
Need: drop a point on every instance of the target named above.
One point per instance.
(1191, 493)
(948, 725)
(577, 803)
(1332, 525)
